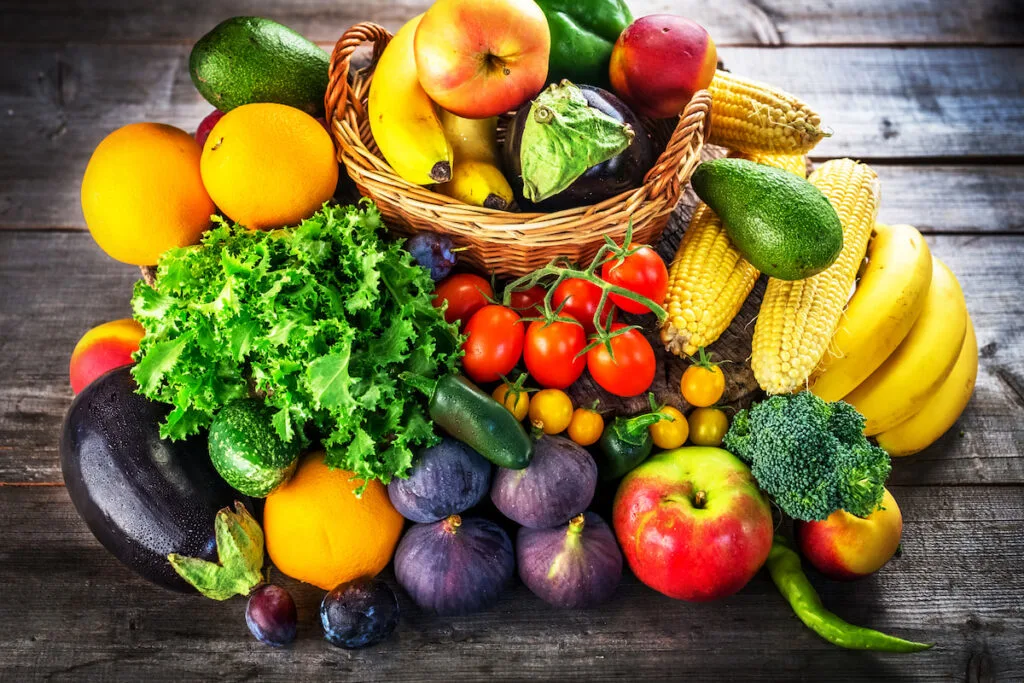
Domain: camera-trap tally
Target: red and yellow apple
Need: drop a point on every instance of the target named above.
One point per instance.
(481, 58)
(692, 523)
(659, 62)
(847, 547)
(103, 348)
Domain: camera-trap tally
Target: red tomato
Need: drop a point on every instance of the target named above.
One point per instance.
(583, 298)
(465, 293)
(494, 343)
(642, 272)
(528, 301)
(631, 371)
(551, 352)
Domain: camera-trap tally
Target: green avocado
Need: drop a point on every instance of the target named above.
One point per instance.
(246, 450)
(251, 59)
(779, 222)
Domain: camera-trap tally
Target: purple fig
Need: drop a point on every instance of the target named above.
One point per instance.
(447, 479)
(575, 565)
(455, 566)
(558, 484)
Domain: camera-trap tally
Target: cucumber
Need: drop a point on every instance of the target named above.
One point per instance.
(251, 59)
(480, 422)
(246, 450)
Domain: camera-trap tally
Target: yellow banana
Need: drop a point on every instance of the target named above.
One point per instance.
(403, 120)
(889, 297)
(476, 178)
(914, 371)
(941, 410)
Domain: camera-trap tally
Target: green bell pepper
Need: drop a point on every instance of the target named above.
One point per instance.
(583, 33)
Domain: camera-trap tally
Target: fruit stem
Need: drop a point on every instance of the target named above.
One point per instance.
(576, 524)
(700, 499)
(452, 523)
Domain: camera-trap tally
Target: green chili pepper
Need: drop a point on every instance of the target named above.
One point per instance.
(624, 444)
(583, 33)
(784, 566)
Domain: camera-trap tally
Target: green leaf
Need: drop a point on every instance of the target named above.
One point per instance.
(240, 553)
(159, 359)
(563, 137)
(329, 380)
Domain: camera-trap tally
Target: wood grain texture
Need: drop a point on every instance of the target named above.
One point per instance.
(730, 22)
(56, 285)
(58, 102)
(76, 614)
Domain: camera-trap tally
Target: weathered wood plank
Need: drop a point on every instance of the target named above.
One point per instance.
(56, 285)
(72, 612)
(59, 102)
(731, 22)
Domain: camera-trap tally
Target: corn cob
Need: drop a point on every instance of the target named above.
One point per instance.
(748, 116)
(709, 280)
(797, 318)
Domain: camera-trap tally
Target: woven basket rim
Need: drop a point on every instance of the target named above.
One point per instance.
(345, 105)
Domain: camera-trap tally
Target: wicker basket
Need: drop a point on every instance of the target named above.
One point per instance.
(503, 242)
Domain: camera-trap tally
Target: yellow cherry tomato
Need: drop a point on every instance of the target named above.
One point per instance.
(586, 426)
(707, 426)
(516, 402)
(702, 385)
(668, 434)
(551, 409)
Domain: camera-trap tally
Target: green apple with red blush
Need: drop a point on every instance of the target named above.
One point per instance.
(692, 523)
(846, 547)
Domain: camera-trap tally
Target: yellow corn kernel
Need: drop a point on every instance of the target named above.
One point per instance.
(797, 318)
(709, 280)
(752, 117)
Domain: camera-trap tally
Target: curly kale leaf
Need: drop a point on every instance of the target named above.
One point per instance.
(320, 320)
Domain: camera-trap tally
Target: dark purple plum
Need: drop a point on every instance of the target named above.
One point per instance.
(447, 479)
(575, 565)
(271, 615)
(558, 484)
(455, 566)
(359, 613)
(434, 252)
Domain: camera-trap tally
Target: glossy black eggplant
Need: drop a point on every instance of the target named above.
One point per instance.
(142, 497)
(623, 172)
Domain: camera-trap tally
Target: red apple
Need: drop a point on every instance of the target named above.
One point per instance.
(103, 348)
(847, 547)
(206, 125)
(659, 62)
(692, 523)
(480, 58)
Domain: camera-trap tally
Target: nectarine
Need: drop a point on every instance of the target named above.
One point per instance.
(103, 348)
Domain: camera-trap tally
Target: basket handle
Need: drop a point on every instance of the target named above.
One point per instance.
(672, 166)
(340, 93)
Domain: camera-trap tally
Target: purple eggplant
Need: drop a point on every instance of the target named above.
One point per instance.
(447, 479)
(142, 497)
(455, 566)
(574, 565)
(623, 172)
(558, 484)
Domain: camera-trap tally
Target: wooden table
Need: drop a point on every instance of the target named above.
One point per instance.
(927, 91)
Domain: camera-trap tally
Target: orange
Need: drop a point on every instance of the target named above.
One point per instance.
(269, 165)
(142, 193)
(318, 531)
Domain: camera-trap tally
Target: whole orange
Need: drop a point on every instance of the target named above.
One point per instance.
(269, 165)
(318, 531)
(142, 193)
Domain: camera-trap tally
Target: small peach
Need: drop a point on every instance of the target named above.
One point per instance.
(104, 348)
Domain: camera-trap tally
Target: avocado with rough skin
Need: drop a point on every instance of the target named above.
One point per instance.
(782, 224)
(251, 59)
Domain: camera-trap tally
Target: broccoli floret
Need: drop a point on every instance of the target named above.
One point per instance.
(811, 456)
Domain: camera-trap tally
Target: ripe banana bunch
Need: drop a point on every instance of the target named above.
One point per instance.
(905, 354)
(476, 178)
(403, 120)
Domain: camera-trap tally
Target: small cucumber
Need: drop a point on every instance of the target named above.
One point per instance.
(246, 450)
(480, 422)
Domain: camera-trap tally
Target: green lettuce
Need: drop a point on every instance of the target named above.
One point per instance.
(319, 320)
